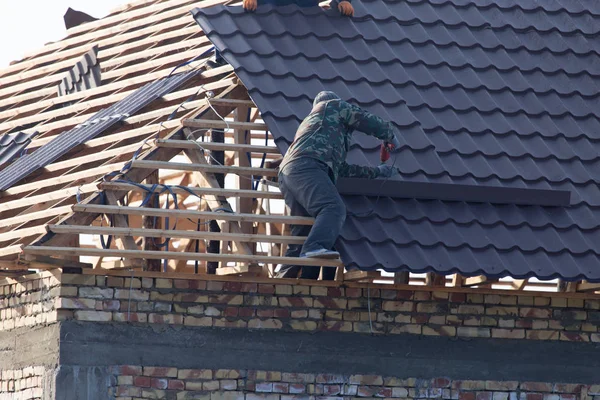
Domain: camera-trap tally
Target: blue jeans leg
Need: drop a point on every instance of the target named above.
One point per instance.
(308, 190)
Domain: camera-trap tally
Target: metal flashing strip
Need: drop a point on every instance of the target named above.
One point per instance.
(454, 192)
(88, 130)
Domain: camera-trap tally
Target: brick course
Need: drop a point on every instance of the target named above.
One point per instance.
(345, 309)
(49, 297)
(139, 382)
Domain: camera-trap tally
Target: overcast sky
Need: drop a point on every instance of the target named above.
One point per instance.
(26, 25)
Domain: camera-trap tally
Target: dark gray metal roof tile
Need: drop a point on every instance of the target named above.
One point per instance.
(13, 144)
(483, 93)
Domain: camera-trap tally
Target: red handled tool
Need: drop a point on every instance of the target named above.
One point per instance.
(384, 152)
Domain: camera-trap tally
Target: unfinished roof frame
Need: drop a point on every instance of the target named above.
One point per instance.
(39, 211)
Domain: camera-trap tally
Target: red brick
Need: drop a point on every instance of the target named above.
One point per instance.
(197, 285)
(440, 383)
(420, 319)
(536, 387)
(230, 311)
(175, 384)
(384, 392)
(232, 286)
(159, 383)
(458, 297)
(524, 323)
(265, 313)
(282, 313)
(280, 387)
(466, 395)
(249, 287)
(111, 305)
(574, 337)
(535, 312)
(142, 381)
(266, 289)
(353, 292)
(565, 396)
(246, 312)
(264, 387)
(181, 284)
(300, 302)
(534, 396)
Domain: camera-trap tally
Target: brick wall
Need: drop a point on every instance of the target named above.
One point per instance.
(29, 301)
(21, 384)
(144, 382)
(355, 308)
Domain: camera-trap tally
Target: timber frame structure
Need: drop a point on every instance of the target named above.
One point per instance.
(192, 169)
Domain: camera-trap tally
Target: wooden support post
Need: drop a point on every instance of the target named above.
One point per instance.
(401, 277)
(218, 158)
(124, 242)
(457, 280)
(152, 223)
(434, 279)
(243, 205)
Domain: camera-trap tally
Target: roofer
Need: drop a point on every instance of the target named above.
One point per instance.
(310, 169)
(344, 7)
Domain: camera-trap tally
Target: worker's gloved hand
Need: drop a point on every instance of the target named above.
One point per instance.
(396, 143)
(346, 8)
(387, 171)
(250, 5)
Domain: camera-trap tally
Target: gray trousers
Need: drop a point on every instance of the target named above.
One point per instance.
(308, 190)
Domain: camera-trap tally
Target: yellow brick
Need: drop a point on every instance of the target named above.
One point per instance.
(473, 332)
(194, 321)
(283, 289)
(542, 335)
(558, 302)
(101, 316)
(508, 333)
(318, 291)
(164, 283)
(414, 329)
(541, 301)
(500, 310)
(575, 303)
(303, 325)
(270, 323)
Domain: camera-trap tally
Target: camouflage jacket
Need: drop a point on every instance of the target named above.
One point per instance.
(326, 132)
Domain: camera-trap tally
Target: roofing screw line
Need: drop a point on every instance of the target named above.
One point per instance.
(103, 119)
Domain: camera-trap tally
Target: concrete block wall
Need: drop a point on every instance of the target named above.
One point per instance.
(151, 382)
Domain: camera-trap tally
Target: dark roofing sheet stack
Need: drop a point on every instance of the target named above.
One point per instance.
(499, 93)
(12, 145)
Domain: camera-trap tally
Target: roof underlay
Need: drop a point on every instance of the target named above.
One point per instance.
(482, 94)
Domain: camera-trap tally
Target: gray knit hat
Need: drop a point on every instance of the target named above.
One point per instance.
(324, 96)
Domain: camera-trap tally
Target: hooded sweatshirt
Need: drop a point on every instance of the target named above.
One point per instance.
(326, 132)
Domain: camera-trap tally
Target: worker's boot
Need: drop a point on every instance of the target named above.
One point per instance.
(321, 253)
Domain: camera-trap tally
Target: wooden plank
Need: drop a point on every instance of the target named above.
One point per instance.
(477, 280)
(90, 174)
(188, 144)
(151, 223)
(200, 191)
(246, 270)
(47, 197)
(402, 277)
(361, 275)
(215, 169)
(219, 124)
(243, 160)
(11, 250)
(163, 234)
(588, 287)
(123, 242)
(51, 212)
(209, 215)
(232, 102)
(519, 284)
(22, 233)
(71, 251)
